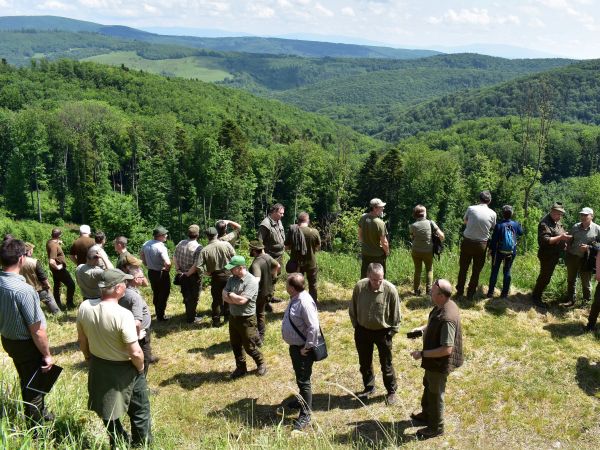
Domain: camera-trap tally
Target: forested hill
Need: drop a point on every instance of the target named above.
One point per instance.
(572, 93)
(248, 44)
(121, 149)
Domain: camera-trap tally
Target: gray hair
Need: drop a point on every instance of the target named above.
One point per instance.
(375, 268)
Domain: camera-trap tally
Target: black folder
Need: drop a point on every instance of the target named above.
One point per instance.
(42, 382)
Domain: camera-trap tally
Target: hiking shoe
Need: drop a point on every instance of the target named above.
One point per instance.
(261, 370)
(428, 433)
(301, 423)
(568, 304)
(216, 323)
(390, 399)
(293, 405)
(366, 393)
(154, 359)
(419, 417)
(238, 372)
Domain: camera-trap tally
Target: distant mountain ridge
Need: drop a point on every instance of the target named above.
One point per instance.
(249, 44)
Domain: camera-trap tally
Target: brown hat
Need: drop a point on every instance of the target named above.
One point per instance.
(558, 207)
(256, 245)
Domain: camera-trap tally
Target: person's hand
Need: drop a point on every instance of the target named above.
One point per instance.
(304, 351)
(47, 363)
(59, 267)
(142, 334)
(416, 354)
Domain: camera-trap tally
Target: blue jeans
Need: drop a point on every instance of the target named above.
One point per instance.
(508, 261)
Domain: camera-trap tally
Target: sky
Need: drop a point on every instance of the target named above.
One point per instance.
(560, 27)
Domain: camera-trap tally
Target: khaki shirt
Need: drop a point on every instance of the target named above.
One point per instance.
(372, 229)
(582, 236)
(214, 256)
(375, 310)
(547, 229)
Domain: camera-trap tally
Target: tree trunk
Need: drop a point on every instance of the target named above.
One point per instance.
(39, 204)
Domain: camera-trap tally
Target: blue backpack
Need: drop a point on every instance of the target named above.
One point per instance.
(508, 239)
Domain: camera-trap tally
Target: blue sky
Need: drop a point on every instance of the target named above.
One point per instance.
(561, 27)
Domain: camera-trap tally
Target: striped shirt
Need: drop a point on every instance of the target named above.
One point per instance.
(303, 312)
(19, 307)
(186, 254)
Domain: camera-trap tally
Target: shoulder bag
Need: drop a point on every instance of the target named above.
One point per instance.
(320, 350)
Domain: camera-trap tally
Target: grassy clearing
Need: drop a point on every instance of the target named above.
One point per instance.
(530, 380)
(192, 67)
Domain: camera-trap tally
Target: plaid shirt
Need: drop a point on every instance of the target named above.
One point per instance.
(186, 254)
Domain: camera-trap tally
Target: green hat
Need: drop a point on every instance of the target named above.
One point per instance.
(236, 261)
(211, 231)
(256, 245)
(557, 206)
(112, 277)
(160, 231)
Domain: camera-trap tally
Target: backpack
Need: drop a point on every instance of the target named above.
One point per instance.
(437, 245)
(589, 259)
(508, 240)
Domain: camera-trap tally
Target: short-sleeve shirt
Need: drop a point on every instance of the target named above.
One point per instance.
(88, 278)
(448, 334)
(134, 302)
(246, 287)
(480, 220)
(186, 254)
(231, 237)
(19, 307)
(156, 254)
(372, 230)
(103, 257)
(55, 252)
(261, 268)
(313, 243)
(80, 248)
(108, 327)
(420, 232)
(215, 256)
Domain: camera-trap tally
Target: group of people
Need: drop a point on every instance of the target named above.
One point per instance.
(114, 321)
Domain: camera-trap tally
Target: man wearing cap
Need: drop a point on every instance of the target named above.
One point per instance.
(81, 245)
(501, 253)
(23, 328)
(125, 259)
(304, 242)
(552, 241)
(58, 268)
(155, 257)
(233, 236)
(272, 235)
(583, 235)
(211, 262)
(375, 315)
(479, 220)
(88, 275)
(133, 301)
(108, 340)
(36, 277)
(264, 268)
(184, 260)
(240, 293)
(372, 236)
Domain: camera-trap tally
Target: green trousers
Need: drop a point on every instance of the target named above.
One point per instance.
(432, 401)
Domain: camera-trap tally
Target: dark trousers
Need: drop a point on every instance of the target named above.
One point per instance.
(217, 284)
(432, 401)
(595, 309)
(139, 416)
(500, 258)
(63, 277)
(311, 276)
(190, 291)
(366, 260)
(365, 341)
(27, 359)
(160, 281)
(48, 299)
(547, 265)
(147, 349)
(574, 265)
(243, 336)
(470, 252)
(303, 370)
(261, 325)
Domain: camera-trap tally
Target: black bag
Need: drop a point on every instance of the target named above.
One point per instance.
(320, 350)
(438, 246)
(177, 279)
(291, 266)
(589, 262)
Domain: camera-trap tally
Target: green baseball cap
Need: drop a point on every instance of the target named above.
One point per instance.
(160, 231)
(112, 277)
(236, 261)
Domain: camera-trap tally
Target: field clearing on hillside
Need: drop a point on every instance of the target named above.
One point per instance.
(530, 380)
(192, 67)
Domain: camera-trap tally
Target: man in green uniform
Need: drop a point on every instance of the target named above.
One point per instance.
(304, 242)
(264, 268)
(240, 293)
(125, 258)
(441, 354)
(211, 262)
(272, 235)
(552, 239)
(372, 237)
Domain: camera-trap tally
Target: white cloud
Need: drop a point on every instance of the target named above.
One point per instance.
(377, 8)
(54, 5)
(322, 10)
(261, 11)
(348, 11)
(474, 16)
(536, 23)
(284, 3)
(303, 2)
(150, 9)
(4, 3)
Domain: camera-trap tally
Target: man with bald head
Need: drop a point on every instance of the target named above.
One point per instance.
(441, 354)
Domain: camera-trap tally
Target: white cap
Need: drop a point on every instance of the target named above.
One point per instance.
(376, 202)
(85, 229)
(586, 211)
